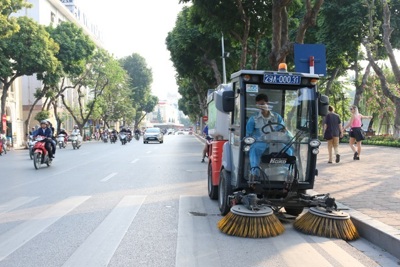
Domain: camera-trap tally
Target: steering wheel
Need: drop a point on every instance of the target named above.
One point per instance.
(271, 125)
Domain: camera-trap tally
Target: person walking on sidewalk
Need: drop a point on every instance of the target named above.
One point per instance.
(333, 130)
(356, 133)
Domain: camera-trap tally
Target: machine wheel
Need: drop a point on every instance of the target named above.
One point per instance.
(37, 159)
(31, 153)
(60, 145)
(212, 189)
(161, 142)
(144, 142)
(294, 211)
(224, 190)
(48, 163)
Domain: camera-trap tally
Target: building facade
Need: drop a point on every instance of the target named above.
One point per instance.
(21, 98)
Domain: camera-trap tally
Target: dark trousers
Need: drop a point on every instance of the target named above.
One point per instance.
(48, 145)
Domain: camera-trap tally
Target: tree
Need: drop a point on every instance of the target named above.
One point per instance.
(371, 46)
(140, 79)
(28, 51)
(102, 71)
(9, 25)
(75, 50)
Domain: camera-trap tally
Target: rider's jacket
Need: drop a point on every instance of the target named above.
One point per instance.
(44, 132)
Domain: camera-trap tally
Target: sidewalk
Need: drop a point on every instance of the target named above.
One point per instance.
(369, 187)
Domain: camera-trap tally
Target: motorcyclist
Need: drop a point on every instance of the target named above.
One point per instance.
(45, 131)
(137, 133)
(76, 130)
(53, 139)
(62, 131)
(129, 132)
(114, 134)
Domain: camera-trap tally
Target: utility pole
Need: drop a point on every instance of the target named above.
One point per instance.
(223, 58)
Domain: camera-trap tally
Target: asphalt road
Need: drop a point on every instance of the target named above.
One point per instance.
(139, 205)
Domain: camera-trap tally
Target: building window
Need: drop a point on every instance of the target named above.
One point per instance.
(52, 17)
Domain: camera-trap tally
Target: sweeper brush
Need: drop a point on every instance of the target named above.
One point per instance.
(242, 222)
(333, 224)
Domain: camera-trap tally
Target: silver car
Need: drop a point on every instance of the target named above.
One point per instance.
(153, 135)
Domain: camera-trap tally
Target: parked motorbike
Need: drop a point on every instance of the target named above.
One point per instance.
(123, 138)
(105, 138)
(31, 143)
(62, 143)
(76, 140)
(40, 153)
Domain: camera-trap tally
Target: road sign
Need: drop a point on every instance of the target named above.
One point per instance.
(205, 118)
(310, 57)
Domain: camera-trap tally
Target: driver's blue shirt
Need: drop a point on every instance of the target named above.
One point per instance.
(258, 121)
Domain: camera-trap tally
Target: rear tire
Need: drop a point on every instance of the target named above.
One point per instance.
(212, 189)
(224, 190)
(37, 159)
(31, 153)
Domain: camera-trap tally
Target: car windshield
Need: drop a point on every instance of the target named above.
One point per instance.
(153, 130)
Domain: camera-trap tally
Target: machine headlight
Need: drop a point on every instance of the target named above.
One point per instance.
(315, 143)
(246, 148)
(249, 140)
(315, 151)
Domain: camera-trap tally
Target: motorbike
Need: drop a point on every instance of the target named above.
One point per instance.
(76, 140)
(1, 146)
(105, 138)
(31, 143)
(62, 143)
(137, 136)
(123, 138)
(113, 138)
(129, 137)
(40, 153)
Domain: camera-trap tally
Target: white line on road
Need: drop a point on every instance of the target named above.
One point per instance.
(15, 203)
(108, 177)
(134, 161)
(101, 245)
(195, 246)
(20, 235)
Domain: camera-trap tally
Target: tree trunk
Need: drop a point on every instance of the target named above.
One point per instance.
(6, 86)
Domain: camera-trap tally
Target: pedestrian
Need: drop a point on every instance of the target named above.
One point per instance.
(356, 133)
(333, 130)
(207, 144)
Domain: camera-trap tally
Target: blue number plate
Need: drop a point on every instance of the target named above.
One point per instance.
(282, 79)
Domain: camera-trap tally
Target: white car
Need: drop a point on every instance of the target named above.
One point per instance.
(153, 135)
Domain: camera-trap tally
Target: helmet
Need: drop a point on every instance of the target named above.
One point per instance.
(75, 126)
(44, 122)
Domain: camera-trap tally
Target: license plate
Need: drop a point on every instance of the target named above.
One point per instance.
(282, 79)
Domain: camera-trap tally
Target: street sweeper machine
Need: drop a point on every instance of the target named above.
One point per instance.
(263, 157)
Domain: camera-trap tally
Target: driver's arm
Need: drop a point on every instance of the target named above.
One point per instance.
(250, 126)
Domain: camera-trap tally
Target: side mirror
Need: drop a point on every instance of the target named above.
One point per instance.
(225, 101)
(323, 104)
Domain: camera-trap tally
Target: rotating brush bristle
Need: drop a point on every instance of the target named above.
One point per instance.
(335, 224)
(243, 222)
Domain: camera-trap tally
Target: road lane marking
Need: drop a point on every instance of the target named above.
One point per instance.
(134, 161)
(20, 235)
(108, 177)
(100, 246)
(195, 245)
(15, 203)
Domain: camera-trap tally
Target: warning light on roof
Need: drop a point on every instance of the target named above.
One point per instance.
(282, 67)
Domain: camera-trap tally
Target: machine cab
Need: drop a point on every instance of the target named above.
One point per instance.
(288, 146)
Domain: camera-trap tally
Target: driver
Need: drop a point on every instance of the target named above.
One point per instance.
(254, 126)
